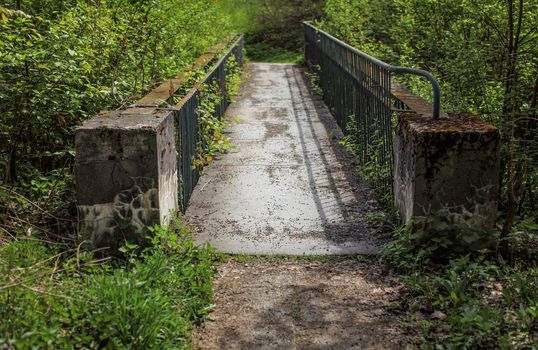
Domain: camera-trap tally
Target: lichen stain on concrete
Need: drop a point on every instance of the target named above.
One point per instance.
(447, 164)
(131, 211)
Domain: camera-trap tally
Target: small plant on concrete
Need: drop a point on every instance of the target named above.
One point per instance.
(313, 78)
(211, 125)
(233, 78)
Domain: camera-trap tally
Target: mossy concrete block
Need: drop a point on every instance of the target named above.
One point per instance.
(125, 174)
(450, 165)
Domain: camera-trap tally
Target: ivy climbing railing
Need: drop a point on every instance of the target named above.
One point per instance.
(362, 96)
(191, 107)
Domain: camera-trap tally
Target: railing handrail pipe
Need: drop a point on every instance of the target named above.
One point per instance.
(394, 69)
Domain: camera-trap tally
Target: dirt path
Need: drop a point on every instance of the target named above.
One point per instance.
(290, 188)
(292, 304)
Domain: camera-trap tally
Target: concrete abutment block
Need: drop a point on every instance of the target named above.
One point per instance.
(126, 174)
(450, 165)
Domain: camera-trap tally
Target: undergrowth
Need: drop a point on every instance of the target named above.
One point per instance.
(211, 123)
(462, 291)
(52, 297)
(262, 52)
(273, 29)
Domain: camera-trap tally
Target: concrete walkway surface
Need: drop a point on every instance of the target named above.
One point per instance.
(288, 186)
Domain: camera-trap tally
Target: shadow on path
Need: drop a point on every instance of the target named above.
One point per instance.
(290, 187)
(302, 305)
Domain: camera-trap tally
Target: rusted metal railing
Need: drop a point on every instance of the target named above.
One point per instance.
(186, 111)
(360, 88)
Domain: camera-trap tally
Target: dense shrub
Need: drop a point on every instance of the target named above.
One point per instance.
(62, 61)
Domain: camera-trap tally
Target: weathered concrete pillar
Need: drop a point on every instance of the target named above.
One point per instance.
(449, 165)
(126, 174)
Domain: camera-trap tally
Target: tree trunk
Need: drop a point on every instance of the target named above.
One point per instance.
(511, 111)
(11, 167)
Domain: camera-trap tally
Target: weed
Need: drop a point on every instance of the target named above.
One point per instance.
(313, 78)
(466, 298)
(434, 240)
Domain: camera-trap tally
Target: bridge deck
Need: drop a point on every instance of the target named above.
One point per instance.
(287, 187)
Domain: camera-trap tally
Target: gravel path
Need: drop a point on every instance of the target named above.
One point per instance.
(294, 304)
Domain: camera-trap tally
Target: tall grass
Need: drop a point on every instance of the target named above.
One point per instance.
(148, 299)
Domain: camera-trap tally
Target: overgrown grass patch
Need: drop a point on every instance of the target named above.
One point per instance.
(149, 299)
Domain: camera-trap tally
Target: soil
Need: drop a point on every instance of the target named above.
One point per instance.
(333, 303)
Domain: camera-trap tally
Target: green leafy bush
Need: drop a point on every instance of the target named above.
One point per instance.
(435, 240)
(472, 304)
(59, 65)
(373, 169)
(457, 295)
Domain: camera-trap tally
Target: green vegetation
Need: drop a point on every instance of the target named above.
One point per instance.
(273, 30)
(61, 64)
(460, 293)
(213, 141)
(466, 288)
(373, 171)
(52, 297)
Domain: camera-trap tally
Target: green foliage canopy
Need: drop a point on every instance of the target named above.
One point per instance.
(63, 61)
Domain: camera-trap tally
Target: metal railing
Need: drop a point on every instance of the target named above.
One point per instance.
(358, 87)
(187, 119)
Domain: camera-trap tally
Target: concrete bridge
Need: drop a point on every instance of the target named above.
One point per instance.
(287, 186)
